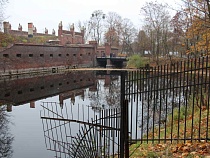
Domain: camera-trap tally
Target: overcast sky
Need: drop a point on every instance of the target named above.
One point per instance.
(48, 13)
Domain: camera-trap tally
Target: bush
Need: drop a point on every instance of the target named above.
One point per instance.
(4, 44)
(136, 61)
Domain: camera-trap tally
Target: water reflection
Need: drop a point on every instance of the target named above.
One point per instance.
(17, 91)
(85, 129)
(75, 115)
(6, 137)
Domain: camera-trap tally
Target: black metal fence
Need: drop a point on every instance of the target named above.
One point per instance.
(80, 133)
(161, 104)
(169, 102)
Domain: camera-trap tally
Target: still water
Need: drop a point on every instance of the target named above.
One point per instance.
(77, 114)
(50, 116)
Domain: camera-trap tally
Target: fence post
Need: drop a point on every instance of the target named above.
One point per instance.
(124, 146)
(126, 128)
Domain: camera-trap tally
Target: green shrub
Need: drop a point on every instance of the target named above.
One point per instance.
(4, 44)
(136, 61)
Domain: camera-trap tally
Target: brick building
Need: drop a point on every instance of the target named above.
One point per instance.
(32, 31)
(70, 37)
(69, 52)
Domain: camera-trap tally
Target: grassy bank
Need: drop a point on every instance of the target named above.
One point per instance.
(187, 129)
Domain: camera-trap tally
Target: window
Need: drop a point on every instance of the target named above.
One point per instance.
(59, 55)
(60, 84)
(6, 55)
(7, 95)
(31, 90)
(30, 55)
(42, 87)
(41, 55)
(67, 55)
(20, 92)
(74, 55)
(18, 55)
(81, 55)
(51, 55)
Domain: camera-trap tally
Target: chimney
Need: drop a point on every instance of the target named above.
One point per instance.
(20, 27)
(7, 27)
(34, 29)
(53, 32)
(72, 28)
(46, 31)
(30, 30)
(60, 31)
(83, 34)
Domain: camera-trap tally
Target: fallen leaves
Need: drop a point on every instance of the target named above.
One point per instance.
(189, 149)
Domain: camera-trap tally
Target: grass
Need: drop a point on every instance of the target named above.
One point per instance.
(184, 128)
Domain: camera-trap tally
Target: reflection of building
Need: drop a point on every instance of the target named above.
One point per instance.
(32, 104)
(71, 95)
(25, 90)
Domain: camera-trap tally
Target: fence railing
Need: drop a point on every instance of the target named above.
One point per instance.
(162, 104)
(169, 102)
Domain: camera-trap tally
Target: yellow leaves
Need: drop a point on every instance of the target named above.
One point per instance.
(185, 154)
(189, 149)
(198, 36)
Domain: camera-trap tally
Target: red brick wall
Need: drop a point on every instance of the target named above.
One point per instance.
(25, 56)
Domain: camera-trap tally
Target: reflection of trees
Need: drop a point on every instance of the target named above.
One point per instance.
(113, 97)
(158, 101)
(6, 138)
(106, 97)
(156, 98)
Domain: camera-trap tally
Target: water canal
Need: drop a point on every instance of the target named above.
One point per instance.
(90, 113)
(30, 105)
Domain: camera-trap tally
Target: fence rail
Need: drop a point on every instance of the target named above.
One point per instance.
(169, 102)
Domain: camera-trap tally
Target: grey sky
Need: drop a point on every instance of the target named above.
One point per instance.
(48, 13)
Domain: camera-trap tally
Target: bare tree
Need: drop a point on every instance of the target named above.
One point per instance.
(157, 22)
(179, 25)
(84, 25)
(2, 6)
(128, 35)
(6, 138)
(113, 28)
(96, 25)
(142, 42)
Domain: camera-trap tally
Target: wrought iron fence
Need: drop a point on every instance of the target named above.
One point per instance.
(169, 103)
(162, 104)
